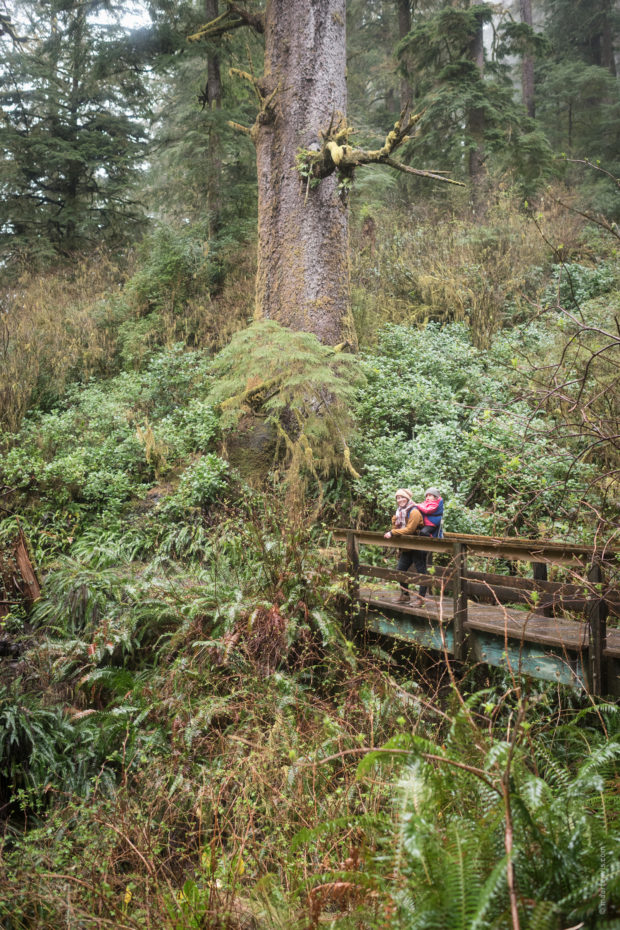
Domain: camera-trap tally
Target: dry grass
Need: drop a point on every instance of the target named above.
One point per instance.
(53, 326)
(440, 265)
(79, 322)
(202, 836)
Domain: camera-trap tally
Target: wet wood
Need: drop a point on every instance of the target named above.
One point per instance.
(546, 596)
(29, 583)
(529, 550)
(511, 622)
(535, 641)
(459, 601)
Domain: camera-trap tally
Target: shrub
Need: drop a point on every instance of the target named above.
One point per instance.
(203, 482)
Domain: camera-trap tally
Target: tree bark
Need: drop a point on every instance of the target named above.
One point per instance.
(404, 28)
(214, 152)
(476, 126)
(527, 65)
(303, 274)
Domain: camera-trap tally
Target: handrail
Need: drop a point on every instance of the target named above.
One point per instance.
(508, 547)
(593, 598)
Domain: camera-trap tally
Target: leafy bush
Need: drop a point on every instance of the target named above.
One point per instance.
(203, 482)
(43, 751)
(438, 411)
(109, 440)
(575, 284)
(491, 822)
(302, 390)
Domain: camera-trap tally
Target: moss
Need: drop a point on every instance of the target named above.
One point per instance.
(252, 449)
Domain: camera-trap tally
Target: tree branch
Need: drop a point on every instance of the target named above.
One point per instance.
(233, 18)
(337, 155)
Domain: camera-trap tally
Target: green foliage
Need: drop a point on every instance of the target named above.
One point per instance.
(175, 263)
(74, 106)
(300, 387)
(469, 105)
(437, 411)
(202, 483)
(43, 751)
(574, 284)
(109, 440)
(449, 867)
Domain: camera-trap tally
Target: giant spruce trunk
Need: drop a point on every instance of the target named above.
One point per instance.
(303, 274)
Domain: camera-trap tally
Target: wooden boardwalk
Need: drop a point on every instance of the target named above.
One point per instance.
(535, 639)
(554, 649)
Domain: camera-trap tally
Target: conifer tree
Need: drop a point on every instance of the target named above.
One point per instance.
(471, 115)
(73, 103)
(579, 100)
(305, 162)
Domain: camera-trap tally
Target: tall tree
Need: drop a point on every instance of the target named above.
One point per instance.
(471, 118)
(303, 274)
(72, 132)
(527, 62)
(213, 100)
(579, 98)
(305, 164)
(476, 111)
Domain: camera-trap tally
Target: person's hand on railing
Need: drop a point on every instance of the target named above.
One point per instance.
(387, 535)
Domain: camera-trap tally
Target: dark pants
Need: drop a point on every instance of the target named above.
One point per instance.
(406, 559)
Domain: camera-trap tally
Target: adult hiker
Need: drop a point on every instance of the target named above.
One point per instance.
(432, 516)
(407, 521)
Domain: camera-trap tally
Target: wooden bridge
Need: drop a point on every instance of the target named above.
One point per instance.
(550, 629)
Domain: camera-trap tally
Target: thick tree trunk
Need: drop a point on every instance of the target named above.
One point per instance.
(214, 156)
(527, 65)
(404, 28)
(303, 273)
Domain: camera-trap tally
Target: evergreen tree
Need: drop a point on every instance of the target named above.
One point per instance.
(73, 103)
(579, 99)
(201, 168)
(305, 163)
(465, 88)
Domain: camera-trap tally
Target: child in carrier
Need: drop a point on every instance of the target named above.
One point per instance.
(432, 512)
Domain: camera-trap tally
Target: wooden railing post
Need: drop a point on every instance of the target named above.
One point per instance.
(540, 574)
(459, 593)
(596, 614)
(353, 565)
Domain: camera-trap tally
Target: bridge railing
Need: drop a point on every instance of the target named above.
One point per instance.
(588, 593)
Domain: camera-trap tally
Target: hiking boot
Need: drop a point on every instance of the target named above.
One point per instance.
(403, 597)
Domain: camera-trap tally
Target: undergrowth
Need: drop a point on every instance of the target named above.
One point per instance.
(189, 738)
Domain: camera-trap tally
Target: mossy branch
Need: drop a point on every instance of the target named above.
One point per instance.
(233, 18)
(239, 127)
(254, 396)
(337, 155)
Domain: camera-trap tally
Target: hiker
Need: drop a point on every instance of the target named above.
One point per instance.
(407, 521)
(432, 516)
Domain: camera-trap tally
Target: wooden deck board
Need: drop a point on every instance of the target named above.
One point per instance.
(503, 622)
